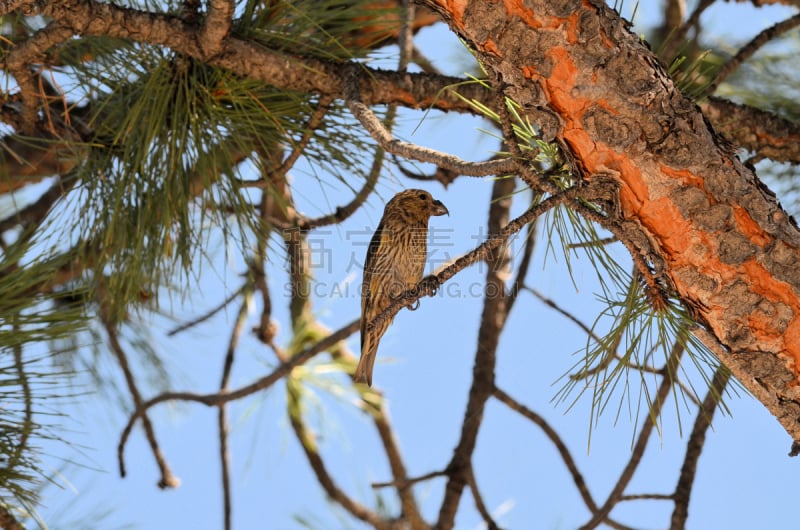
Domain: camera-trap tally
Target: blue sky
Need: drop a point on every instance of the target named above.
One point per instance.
(744, 480)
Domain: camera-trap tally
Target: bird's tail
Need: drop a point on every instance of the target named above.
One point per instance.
(363, 373)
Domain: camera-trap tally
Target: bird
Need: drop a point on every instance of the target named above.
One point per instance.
(394, 264)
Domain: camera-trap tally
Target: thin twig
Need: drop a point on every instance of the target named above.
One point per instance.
(222, 417)
(314, 122)
(216, 399)
(36, 211)
(325, 480)
(493, 319)
(646, 497)
(561, 447)
(500, 166)
(168, 480)
(479, 504)
(443, 176)
(266, 331)
(407, 482)
(749, 49)
(522, 271)
(213, 311)
(552, 304)
(683, 489)
(399, 472)
(602, 513)
(26, 427)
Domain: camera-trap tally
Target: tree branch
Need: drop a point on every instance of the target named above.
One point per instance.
(493, 319)
(216, 399)
(697, 438)
(216, 26)
(168, 480)
(222, 415)
(749, 49)
(561, 447)
(601, 514)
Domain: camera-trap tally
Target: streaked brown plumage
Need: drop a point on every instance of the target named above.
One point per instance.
(395, 263)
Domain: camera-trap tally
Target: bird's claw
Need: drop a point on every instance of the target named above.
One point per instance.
(429, 282)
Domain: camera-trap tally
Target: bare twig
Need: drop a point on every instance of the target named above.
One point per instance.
(549, 302)
(493, 320)
(36, 211)
(561, 447)
(683, 489)
(749, 49)
(314, 122)
(343, 212)
(443, 176)
(646, 497)
(26, 427)
(367, 118)
(266, 330)
(222, 417)
(218, 398)
(325, 480)
(408, 482)
(479, 504)
(168, 480)
(527, 252)
(399, 473)
(601, 514)
(210, 313)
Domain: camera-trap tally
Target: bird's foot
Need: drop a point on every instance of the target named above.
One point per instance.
(429, 283)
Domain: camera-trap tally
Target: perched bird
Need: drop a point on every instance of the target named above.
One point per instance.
(395, 263)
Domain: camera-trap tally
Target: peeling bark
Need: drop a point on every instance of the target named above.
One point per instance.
(726, 246)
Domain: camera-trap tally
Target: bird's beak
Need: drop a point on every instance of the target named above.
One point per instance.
(439, 208)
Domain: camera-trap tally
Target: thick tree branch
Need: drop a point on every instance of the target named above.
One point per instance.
(727, 247)
(764, 133)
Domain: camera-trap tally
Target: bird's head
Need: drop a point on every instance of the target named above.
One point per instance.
(418, 204)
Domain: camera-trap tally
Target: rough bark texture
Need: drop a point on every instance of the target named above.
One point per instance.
(711, 228)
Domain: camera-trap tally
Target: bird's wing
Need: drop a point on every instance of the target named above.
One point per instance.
(368, 290)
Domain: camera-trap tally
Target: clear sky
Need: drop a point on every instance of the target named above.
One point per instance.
(744, 481)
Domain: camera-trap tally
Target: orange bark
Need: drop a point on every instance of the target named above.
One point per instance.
(728, 248)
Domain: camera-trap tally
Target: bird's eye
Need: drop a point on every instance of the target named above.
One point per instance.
(423, 197)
